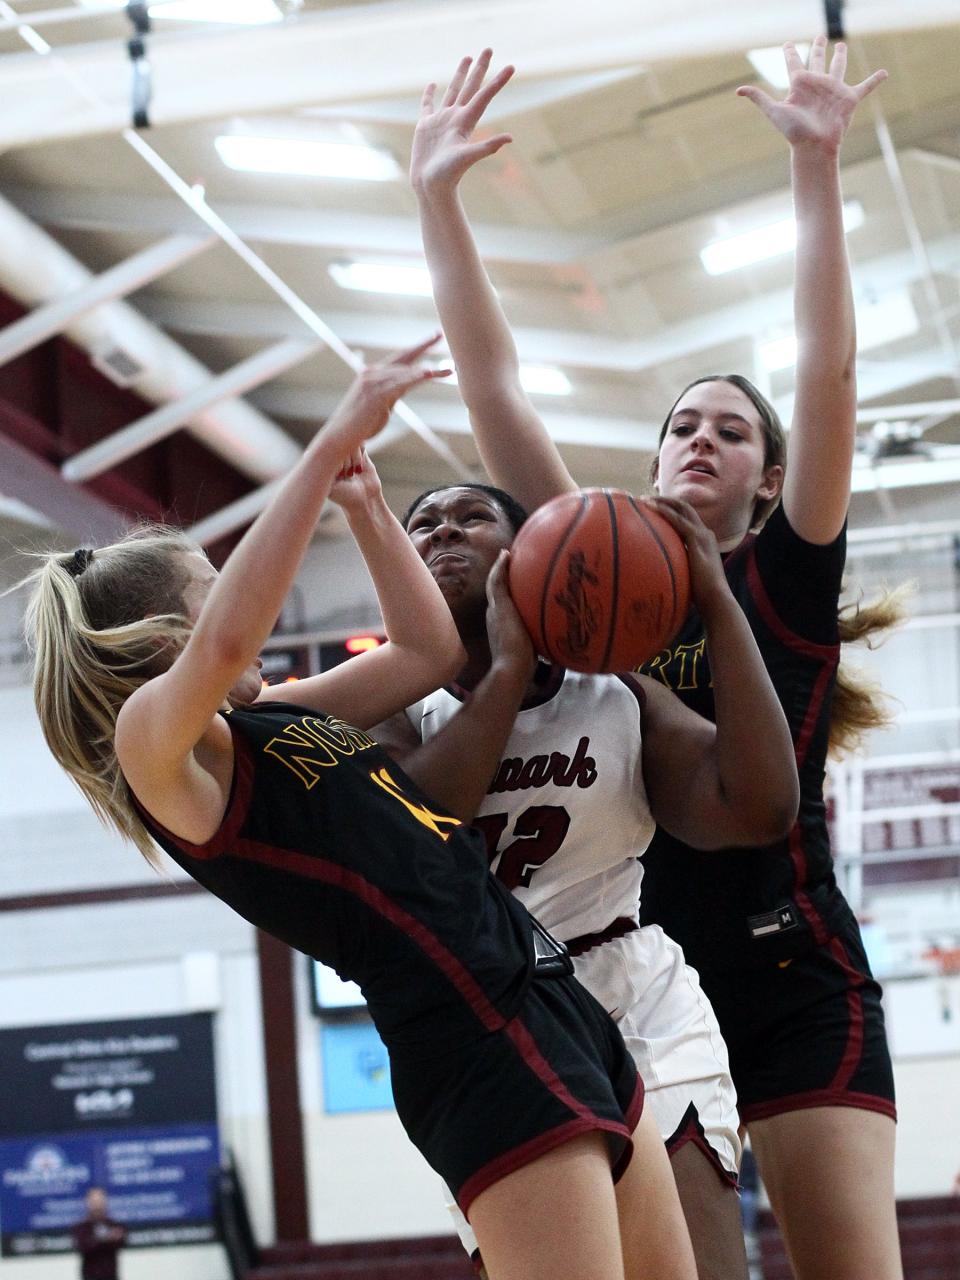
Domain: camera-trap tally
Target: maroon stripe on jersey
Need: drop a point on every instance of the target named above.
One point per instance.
(587, 1122)
(618, 928)
(526, 1153)
(854, 1048)
(691, 1130)
(314, 868)
(818, 1098)
(828, 655)
(798, 854)
(809, 648)
(635, 687)
(241, 789)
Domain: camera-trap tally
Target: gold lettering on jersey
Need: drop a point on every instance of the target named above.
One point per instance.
(310, 744)
(679, 668)
(432, 821)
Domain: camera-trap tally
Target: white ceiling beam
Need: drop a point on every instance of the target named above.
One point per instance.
(601, 431)
(934, 159)
(233, 516)
(32, 480)
(76, 209)
(753, 317)
(82, 12)
(905, 474)
(80, 209)
(524, 96)
(35, 269)
(895, 412)
(133, 273)
(162, 422)
(391, 50)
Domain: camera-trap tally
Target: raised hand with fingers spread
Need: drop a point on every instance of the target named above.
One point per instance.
(444, 146)
(820, 104)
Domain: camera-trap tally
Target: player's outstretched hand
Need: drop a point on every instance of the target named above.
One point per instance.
(366, 407)
(444, 146)
(820, 104)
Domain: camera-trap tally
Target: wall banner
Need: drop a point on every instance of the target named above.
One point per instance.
(127, 1106)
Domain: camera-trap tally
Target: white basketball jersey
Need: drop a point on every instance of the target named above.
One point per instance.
(567, 811)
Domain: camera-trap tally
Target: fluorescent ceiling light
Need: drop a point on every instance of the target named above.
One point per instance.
(306, 156)
(879, 321)
(536, 379)
(375, 277)
(771, 241)
(778, 353)
(237, 12)
(240, 12)
(544, 380)
(770, 64)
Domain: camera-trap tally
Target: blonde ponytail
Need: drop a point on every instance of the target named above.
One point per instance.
(100, 624)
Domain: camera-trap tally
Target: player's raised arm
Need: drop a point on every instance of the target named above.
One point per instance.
(814, 118)
(513, 442)
(455, 766)
(162, 721)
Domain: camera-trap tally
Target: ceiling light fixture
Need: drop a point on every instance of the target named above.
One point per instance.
(760, 243)
(879, 321)
(383, 277)
(770, 64)
(536, 379)
(235, 12)
(306, 156)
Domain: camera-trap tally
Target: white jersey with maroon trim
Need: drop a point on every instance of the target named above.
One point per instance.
(566, 817)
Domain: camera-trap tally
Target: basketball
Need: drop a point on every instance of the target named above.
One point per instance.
(600, 580)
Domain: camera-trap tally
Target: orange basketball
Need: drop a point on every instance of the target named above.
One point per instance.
(600, 580)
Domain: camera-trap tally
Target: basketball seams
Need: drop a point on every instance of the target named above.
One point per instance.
(614, 577)
(592, 584)
(675, 621)
(548, 577)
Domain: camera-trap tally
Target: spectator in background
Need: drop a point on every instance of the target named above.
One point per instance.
(98, 1239)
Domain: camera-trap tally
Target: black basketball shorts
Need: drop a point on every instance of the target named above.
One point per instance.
(807, 1032)
(483, 1109)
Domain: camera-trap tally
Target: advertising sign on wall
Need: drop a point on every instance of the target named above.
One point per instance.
(127, 1106)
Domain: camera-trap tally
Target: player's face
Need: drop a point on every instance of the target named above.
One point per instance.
(459, 533)
(712, 456)
(202, 577)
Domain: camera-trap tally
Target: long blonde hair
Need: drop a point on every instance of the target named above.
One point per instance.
(859, 703)
(101, 623)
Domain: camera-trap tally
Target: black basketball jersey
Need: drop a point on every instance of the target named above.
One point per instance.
(737, 906)
(327, 844)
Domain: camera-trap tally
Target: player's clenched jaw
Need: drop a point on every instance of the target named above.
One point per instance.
(459, 532)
